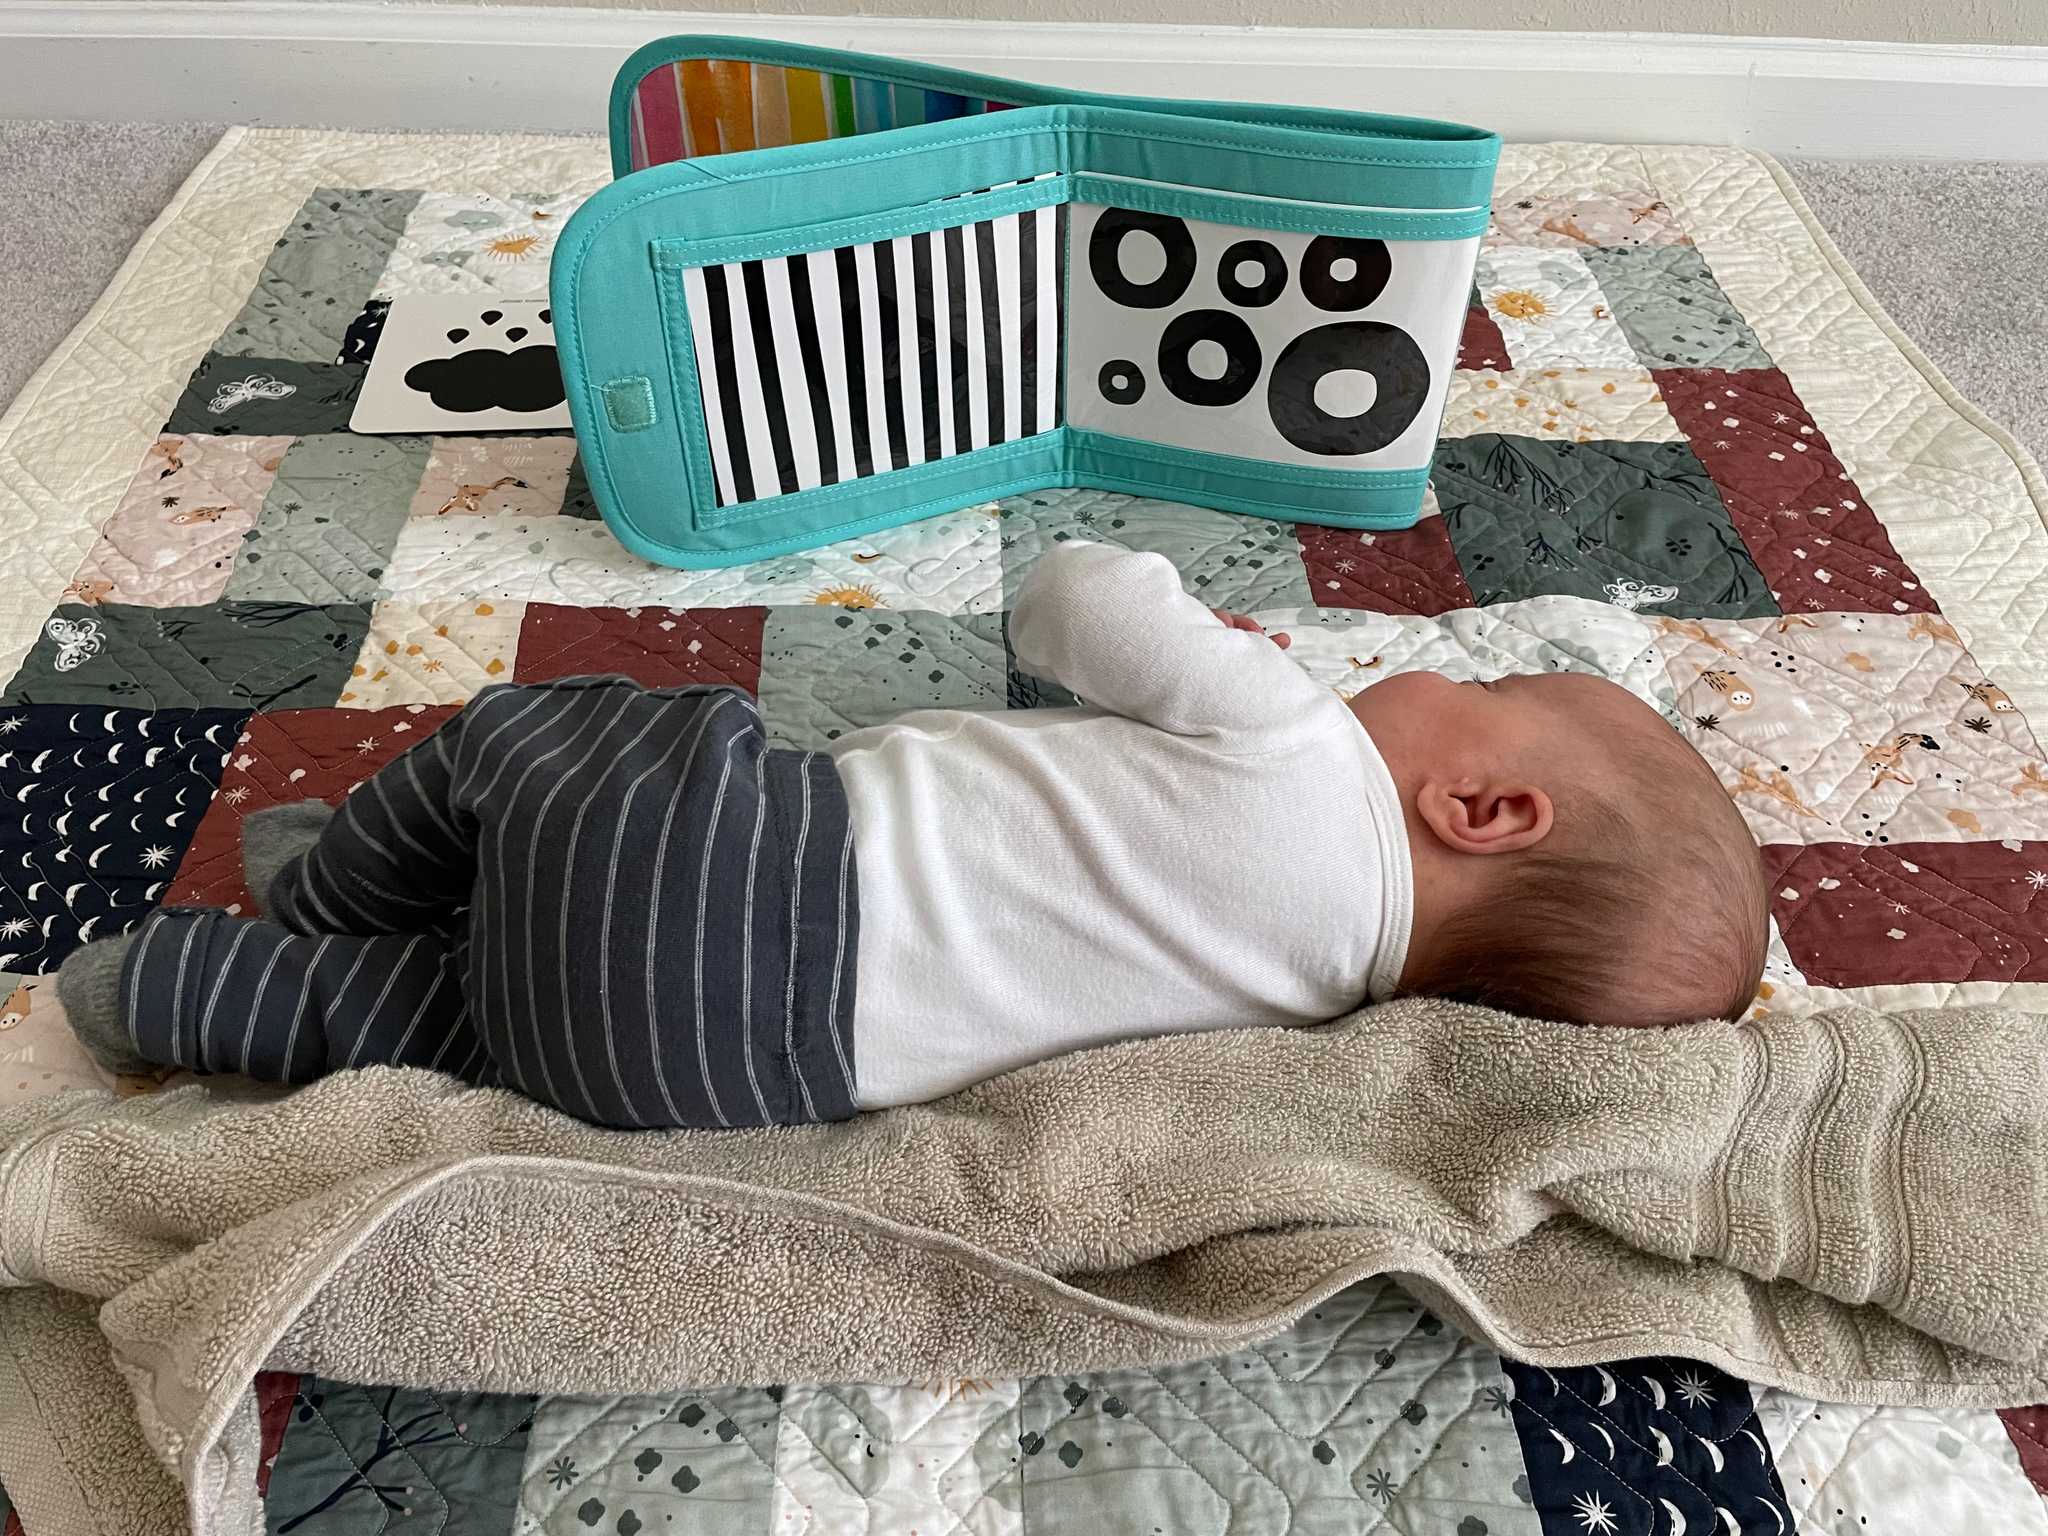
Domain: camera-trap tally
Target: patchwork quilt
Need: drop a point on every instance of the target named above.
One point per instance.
(1683, 449)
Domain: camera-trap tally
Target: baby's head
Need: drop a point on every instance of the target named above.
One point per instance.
(1575, 858)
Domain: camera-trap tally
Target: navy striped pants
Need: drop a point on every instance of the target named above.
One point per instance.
(618, 900)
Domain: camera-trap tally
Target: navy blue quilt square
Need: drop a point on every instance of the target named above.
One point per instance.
(96, 807)
(1651, 1447)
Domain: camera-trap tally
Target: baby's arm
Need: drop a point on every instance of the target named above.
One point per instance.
(1116, 628)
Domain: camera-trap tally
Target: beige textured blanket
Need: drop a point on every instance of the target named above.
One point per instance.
(1851, 1205)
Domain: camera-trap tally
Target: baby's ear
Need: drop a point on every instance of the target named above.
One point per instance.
(1475, 815)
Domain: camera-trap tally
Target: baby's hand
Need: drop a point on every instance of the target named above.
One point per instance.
(1245, 621)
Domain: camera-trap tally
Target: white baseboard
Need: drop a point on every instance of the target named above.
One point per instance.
(359, 64)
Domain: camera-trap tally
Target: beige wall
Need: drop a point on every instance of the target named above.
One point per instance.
(1910, 21)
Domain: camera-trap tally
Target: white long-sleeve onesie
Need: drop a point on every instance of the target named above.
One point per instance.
(1211, 842)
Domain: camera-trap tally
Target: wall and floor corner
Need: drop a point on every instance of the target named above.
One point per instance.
(1882, 21)
(1914, 78)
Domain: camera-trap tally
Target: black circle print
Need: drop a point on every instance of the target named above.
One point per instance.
(1400, 376)
(1121, 382)
(457, 334)
(1105, 258)
(1272, 274)
(1339, 273)
(1240, 353)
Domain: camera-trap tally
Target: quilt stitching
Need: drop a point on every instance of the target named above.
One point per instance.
(563, 1488)
(2022, 1508)
(900, 1435)
(362, 1472)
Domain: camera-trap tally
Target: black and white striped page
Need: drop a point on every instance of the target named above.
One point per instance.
(829, 366)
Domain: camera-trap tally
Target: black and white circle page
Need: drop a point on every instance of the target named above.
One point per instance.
(1283, 346)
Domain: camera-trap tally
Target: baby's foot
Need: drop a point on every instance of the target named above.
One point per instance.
(273, 837)
(89, 987)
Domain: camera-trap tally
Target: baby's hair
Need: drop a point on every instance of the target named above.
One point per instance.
(1651, 874)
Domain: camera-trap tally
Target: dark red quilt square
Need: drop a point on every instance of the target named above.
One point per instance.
(1807, 526)
(277, 1393)
(1401, 570)
(1482, 345)
(293, 754)
(1854, 915)
(2027, 1428)
(659, 647)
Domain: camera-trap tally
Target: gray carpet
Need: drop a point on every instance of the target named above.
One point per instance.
(1956, 252)
(73, 198)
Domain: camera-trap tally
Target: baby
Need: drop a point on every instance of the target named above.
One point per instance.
(625, 903)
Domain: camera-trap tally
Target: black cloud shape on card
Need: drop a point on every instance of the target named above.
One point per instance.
(487, 380)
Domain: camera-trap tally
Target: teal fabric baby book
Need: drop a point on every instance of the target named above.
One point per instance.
(828, 293)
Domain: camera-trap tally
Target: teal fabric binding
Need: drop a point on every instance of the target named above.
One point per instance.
(629, 358)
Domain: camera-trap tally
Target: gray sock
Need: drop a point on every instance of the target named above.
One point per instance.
(89, 987)
(273, 837)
